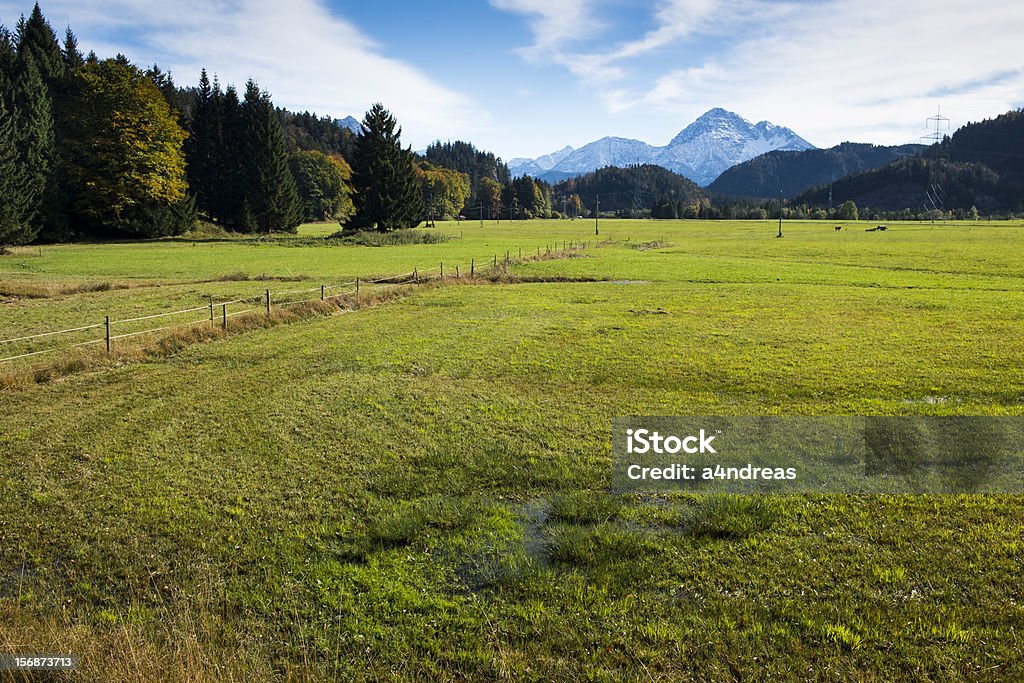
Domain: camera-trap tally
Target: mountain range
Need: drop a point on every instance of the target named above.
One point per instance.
(702, 151)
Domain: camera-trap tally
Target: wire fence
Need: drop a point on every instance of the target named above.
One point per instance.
(217, 312)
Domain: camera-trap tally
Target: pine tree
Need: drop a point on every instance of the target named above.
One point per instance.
(230, 178)
(272, 196)
(35, 137)
(14, 205)
(73, 58)
(202, 144)
(42, 80)
(12, 193)
(37, 40)
(8, 55)
(387, 193)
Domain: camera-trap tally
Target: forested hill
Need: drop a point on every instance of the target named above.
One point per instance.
(465, 158)
(982, 165)
(631, 188)
(307, 131)
(796, 172)
(998, 143)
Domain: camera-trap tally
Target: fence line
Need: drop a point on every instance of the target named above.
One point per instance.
(414, 277)
(232, 315)
(160, 315)
(56, 348)
(48, 334)
(158, 329)
(297, 291)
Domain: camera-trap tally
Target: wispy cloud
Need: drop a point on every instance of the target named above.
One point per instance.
(553, 22)
(562, 27)
(975, 84)
(557, 26)
(676, 20)
(831, 70)
(305, 55)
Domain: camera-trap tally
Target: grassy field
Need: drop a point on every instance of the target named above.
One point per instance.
(421, 489)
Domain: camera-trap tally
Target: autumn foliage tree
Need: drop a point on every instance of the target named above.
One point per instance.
(444, 190)
(126, 165)
(488, 197)
(324, 185)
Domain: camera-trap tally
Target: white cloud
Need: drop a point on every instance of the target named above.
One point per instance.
(554, 23)
(861, 68)
(844, 69)
(307, 57)
(677, 19)
(557, 25)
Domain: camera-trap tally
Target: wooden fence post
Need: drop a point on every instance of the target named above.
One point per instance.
(442, 270)
(457, 276)
(224, 317)
(108, 333)
(268, 303)
(472, 267)
(323, 292)
(357, 292)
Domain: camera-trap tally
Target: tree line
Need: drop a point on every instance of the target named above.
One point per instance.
(101, 148)
(88, 147)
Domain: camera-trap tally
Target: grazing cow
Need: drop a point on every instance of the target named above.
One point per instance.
(838, 228)
(882, 228)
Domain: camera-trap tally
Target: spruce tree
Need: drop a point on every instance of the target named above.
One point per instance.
(35, 136)
(12, 198)
(73, 58)
(272, 197)
(37, 40)
(231, 175)
(14, 205)
(8, 54)
(387, 193)
(201, 147)
(40, 61)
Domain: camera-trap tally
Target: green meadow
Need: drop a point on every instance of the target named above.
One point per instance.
(420, 489)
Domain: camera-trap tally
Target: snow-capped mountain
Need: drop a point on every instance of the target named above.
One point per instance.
(715, 142)
(540, 164)
(606, 152)
(350, 123)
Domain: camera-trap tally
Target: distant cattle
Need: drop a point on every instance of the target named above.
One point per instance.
(876, 228)
(838, 228)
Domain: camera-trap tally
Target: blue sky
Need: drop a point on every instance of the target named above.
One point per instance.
(526, 77)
